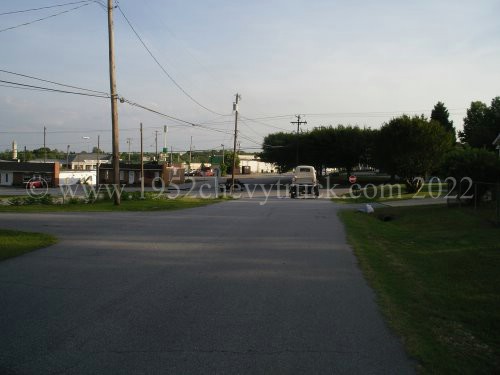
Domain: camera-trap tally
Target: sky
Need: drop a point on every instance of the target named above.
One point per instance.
(335, 62)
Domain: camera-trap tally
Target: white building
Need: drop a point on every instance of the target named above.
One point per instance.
(256, 165)
(88, 162)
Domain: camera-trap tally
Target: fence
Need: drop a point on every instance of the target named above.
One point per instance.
(483, 197)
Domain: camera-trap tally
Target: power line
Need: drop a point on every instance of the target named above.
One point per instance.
(53, 82)
(45, 18)
(163, 69)
(171, 117)
(46, 7)
(55, 90)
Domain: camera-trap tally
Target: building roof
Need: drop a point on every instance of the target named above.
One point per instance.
(26, 166)
(92, 156)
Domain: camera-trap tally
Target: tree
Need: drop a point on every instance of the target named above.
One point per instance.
(228, 161)
(350, 146)
(440, 114)
(279, 148)
(482, 124)
(411, 147)
(478, 164)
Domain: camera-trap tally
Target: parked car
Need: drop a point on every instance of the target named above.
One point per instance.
(35, 184)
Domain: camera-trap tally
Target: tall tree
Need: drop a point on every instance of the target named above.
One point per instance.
(482, 124)
(411, 147)
(279, 148)
(440, 114)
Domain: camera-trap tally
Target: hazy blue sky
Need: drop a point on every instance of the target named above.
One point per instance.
(350, 62)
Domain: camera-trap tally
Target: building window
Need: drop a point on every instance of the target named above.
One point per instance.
(6, 177)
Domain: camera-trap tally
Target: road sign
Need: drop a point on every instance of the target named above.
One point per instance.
(352, 179)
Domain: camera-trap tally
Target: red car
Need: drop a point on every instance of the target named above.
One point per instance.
(35, 184)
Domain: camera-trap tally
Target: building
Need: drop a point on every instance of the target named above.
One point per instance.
(14, 173)
(252, 164)
(130, 174)
(88, 162)
(496, 142)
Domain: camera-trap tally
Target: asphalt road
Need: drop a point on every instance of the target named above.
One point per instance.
(231, 288)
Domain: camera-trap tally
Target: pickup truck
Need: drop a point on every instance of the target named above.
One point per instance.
(304, 182)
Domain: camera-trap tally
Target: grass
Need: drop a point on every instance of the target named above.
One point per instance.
(436, 274)
(14, 243)
(106, 206)
(386, 193)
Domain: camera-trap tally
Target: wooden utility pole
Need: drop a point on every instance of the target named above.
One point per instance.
(129, 140)
(67, 157)
(142, 167)
(114, 104)
(156, 145)
(235, 108)
(190, 152)
(44, 146)
(98, 159)
(298, 122)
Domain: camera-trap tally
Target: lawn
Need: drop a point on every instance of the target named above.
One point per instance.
(387, 192)
(103, 206)
(436, 274)
(14, 243)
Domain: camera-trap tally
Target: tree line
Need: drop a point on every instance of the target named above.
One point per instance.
(405, 146)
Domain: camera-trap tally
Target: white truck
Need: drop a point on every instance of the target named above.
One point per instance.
(304, 182)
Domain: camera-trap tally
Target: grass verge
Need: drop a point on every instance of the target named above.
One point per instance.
(106, 206)
(436, 274)
(386, 193)
(14, 243)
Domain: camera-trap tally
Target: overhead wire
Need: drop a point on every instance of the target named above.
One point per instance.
(53, 82)
(41, 88)
(42, 8)
(163, 68)
(45, 18)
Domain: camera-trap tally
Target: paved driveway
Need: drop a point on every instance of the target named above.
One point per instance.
(232, 288)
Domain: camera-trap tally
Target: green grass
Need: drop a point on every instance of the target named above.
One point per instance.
(436, 274)
(386, 193)
(14, 243)
(104, 206)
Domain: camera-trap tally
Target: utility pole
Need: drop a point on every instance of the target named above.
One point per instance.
(156, 145)
(98, 159)
(222, 154)
(114, 104)
(190, 150)
(44, 147)
(129, 140)
(24, 153)
(142, 167)
(298, 122)
(67, 157)
(165, 150)
(235, 108)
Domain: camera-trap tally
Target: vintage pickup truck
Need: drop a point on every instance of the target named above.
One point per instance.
(304, 182)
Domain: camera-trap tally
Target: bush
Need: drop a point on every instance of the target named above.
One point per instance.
(478, 164)
(16, 201)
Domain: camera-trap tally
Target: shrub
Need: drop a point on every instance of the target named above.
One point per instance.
(16, 201)
(478, 164)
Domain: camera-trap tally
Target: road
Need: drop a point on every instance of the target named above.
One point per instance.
(231, 288)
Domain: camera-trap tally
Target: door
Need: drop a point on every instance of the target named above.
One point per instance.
(131, 177)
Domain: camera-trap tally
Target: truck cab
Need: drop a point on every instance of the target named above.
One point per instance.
(304, 182)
